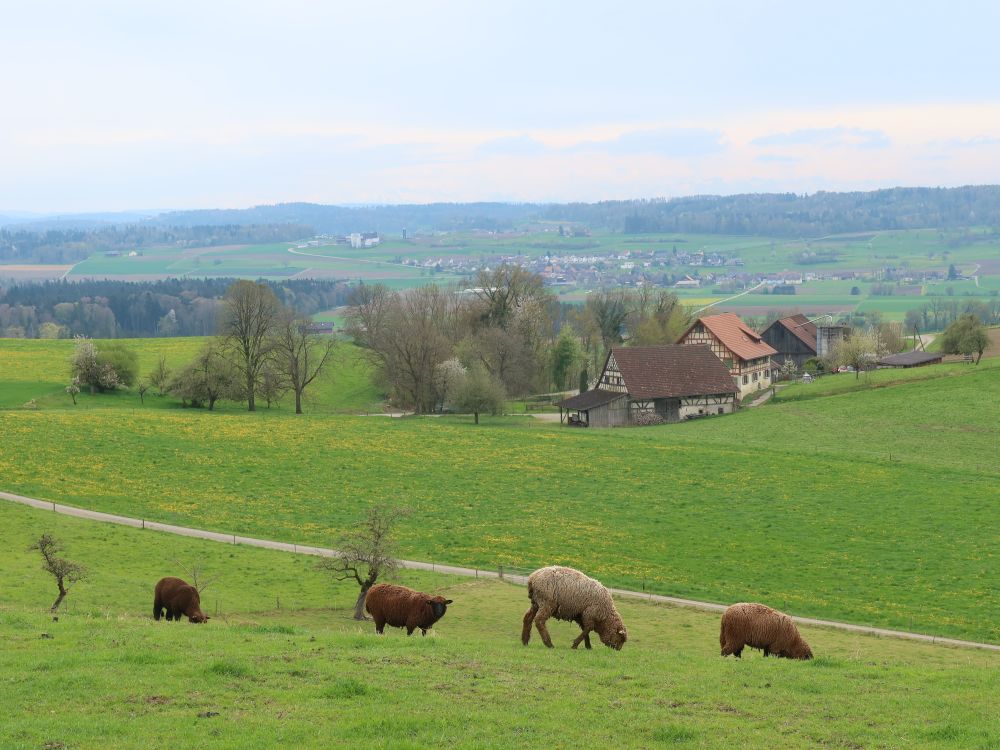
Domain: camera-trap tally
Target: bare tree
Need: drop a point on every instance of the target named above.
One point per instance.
(64, 571)
(506, 291)
(609, 312)
(366, 552)
(196, 575)
(159, 376)
(250, 313)
(300, 354)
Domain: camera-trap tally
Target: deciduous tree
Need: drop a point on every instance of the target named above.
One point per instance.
(967, 335)
(250, 312)
(367, 552)
(299, 355)
(64, 571)
(479, 392)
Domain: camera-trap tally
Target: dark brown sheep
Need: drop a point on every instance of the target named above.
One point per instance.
(759, 626)
(402, 607)
(179, 599)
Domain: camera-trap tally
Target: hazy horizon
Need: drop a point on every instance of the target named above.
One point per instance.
(113, 106)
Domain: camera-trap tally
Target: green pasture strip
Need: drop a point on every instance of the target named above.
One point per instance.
(985, 375)
(281, 663)
(844, 508)
(39, 369)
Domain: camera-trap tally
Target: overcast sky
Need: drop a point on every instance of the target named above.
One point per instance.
(130, 105)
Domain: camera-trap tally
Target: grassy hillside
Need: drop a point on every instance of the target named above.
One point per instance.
(37, 369)
(844, 507)
(281, 663)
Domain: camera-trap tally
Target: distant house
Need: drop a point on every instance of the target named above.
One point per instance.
(910, 359)
(318, 326)
(363, 239)
(792, 338)
(741, 349)
(687, 283)
(673, 382)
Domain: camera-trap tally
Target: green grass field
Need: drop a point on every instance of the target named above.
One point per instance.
(843, 506)
(36, 369)
(281, 663)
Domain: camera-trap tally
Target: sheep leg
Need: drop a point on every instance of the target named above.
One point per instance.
(529, 616)
(409, 629)
(586, 625)
(379, 626)
(540, 618)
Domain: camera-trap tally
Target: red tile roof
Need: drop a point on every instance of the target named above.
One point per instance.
(671, 371)
(735, 335)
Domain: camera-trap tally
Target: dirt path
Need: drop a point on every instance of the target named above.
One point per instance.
(301, 549)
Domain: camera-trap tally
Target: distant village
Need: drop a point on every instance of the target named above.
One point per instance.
(659, 267)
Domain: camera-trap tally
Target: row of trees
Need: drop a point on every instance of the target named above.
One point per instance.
(263, 350)
(40, 244)
(119, 309)
(436, 348)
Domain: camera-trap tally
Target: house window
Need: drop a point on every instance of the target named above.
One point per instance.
(721, 411)
(744, 380)
(755, 377)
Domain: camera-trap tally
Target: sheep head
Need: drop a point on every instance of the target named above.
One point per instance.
(612, 633)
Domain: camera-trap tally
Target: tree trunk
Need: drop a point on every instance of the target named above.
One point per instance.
(62, 595)
(359, 605)
(298, 401)
(476, 415)
(251, 406)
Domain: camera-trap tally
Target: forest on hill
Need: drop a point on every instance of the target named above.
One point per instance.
(767, 214)
(69, 245)
(123, 309)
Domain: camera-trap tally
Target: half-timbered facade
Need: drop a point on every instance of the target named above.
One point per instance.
(672, 382)
(745, 354)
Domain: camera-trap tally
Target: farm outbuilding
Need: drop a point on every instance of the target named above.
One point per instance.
(910, 359)
(645, 384)
(596, 408)
(793, 338)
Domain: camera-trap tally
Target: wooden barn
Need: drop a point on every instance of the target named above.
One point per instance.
(741, 349)
(792, 338)
(672, 382)
(911, 359)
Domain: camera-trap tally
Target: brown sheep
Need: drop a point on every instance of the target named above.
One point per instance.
(178, 598)
(759, 626)
(567, 594)
(402, 607)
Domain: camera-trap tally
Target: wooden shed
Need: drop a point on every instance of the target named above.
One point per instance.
(595, 408)
(911, 359)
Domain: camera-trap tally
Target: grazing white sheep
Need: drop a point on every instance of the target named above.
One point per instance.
(567, 594)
